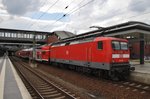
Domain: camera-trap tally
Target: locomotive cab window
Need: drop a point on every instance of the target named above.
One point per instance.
(116, 45)
(124, 45)
(100, 45)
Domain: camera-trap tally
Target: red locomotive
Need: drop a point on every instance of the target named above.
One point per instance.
(106, 56)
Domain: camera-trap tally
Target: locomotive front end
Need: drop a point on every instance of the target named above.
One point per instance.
(120, 66)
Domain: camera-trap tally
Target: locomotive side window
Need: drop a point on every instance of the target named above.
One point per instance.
(116, 45)
(67, 43)
(124, 45)
(100, 45)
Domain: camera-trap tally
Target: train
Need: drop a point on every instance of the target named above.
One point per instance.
(108, 57)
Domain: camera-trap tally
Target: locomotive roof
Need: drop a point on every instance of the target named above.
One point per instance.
(108, 38)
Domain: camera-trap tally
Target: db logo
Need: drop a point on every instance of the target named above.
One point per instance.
(121, 55)
(67, 52)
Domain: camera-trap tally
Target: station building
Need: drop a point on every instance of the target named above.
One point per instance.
(58, 35)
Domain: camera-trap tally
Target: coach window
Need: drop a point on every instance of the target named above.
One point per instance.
(100, 45)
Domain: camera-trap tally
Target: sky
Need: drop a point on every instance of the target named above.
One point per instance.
(70, 15)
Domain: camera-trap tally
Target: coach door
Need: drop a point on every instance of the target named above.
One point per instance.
(89, 56)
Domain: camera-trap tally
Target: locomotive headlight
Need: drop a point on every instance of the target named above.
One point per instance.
(126, 55)
(115, 55)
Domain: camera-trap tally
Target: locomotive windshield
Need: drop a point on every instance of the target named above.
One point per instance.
(124, 45)
(117, 45)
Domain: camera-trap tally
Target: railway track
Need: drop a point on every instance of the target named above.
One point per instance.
(39, 86)
(136, 86)
(130, 85)
(124, 85)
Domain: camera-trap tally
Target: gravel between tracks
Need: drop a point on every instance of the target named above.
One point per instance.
(84, 85)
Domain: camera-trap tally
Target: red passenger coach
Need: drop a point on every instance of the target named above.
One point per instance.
(107, 55)
(24, 53)
(45, 52)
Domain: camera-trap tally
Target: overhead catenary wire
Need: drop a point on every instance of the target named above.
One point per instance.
(120, 12)
(51, 7)
(69, 4)
(48, 9)
(139, 2)
(135, 16)
(73, 11)
(42, 5)
(132, 16)
(36, 13)
(70, 13)
(70, 10)
(44, 13)
(81, 7)
(67, 12)
(62, 15)
(138, 15)
(76, 6)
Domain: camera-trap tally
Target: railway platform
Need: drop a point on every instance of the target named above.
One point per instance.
(141, 73)
(11, 86)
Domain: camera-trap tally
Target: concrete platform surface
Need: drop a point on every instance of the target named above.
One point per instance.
(141, 73)
(11, 86)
